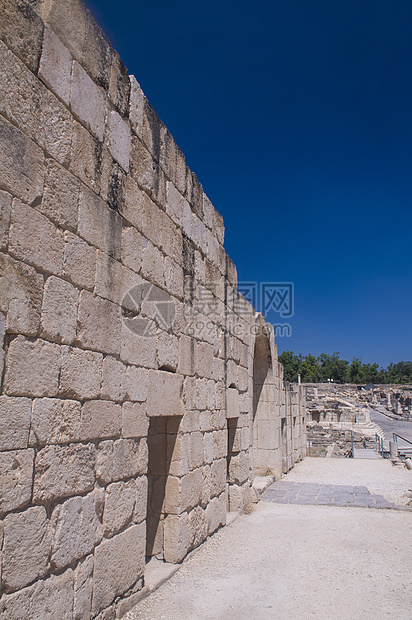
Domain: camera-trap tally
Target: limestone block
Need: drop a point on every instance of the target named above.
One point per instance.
(135, 422)
(140, 507)
(114, 379)
(239, 468)
(83, 589)
(218, 477)
(26, 548)
(16, 467)
(119, 503)
(5, 214)
(120, 459)
(99, 225)
(196, 454)
(99, 324)
(178, 454)
(14, 422)
(32, 368)
(216, 513)
(109, 273)
(136, 106)
(219, 227)
(180, 176)
(141, 165)
(79, 264)
(101, 419)
(208, 212)
(88, 101)
(204, 359)
(21, 163)
(187, 219)
(118, 138)
(63, 471)
(59, 311)
(219, 444)
(173, 277)
(35, 240)
(119, 86)
(174, 203)
(33, 108)
(186, 355)
(183, 494)
(176, 537)
(118, 564)
(87, 157)
(152, 264)
(132, 248)
(137, 383)
(56, 65)
(167, 350)
(22, 31)
(208, 448)
(232, 403)
(61, 196)
(48, 600)
(54, 421)
(81, 373)
(97, 52)
(197, 526)
(202, 393)
(76, 529)
(136, 349)
(165, 394)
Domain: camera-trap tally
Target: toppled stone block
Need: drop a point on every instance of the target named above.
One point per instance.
(76, 529)
(16, 467)
(63, 471)
(26, 548)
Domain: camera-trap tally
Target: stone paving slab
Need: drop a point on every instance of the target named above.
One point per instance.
(288, 492)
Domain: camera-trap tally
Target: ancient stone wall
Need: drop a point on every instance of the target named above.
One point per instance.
(140, 391)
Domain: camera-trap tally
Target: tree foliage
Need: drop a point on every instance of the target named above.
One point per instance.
(327, 367)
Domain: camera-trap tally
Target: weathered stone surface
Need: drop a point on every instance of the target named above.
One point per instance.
(79, 264)
(121, 459)
(33, 108)
(32, 368)
(26, 549)
(109, 276)
(114, 379)
(135, 422)
(177, 537)
(99, 225)
(119, 505)
(83, 589)
(99, 324)
(86, 157)
(14, 422)
(81, 373)
(21, 163)
(88, 101)
(118, 138)
(101, 419)
(62, 471)
(16, 467)
(118, 564)
(35, 240)
(137, 383)
(137, 100)
(48, 600)
(183, 493)
(119, 87)
(216, 513)
(165, 394)
(132, 247)
(61, 196)
(218, 477)
(56, 65)
(136, 349)
(5, 213)
(54, 421)
(59, 311)
(232, 403)
(167, 350)
(204, 359)
(22, 30)
(76, 529)
(239, 468)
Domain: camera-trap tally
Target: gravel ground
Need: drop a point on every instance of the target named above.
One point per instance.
(294, 562)
(379, 476)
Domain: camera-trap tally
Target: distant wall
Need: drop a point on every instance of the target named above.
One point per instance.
(133, 409)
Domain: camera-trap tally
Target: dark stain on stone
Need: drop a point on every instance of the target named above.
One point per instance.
(116, 190)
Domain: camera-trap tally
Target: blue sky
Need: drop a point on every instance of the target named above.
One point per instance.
(296, 116)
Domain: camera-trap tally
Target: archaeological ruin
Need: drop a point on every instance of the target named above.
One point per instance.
(140, 392)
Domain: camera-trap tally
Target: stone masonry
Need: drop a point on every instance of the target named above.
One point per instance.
(140, 392)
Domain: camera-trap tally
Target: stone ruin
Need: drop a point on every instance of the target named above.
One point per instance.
(140, 392)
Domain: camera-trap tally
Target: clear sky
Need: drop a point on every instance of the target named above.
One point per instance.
(296, 116)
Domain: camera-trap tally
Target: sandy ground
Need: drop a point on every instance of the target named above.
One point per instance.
(293, 563)
(380, 476)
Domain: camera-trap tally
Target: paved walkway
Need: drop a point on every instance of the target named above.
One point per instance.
(295, 557)
(284, 492)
